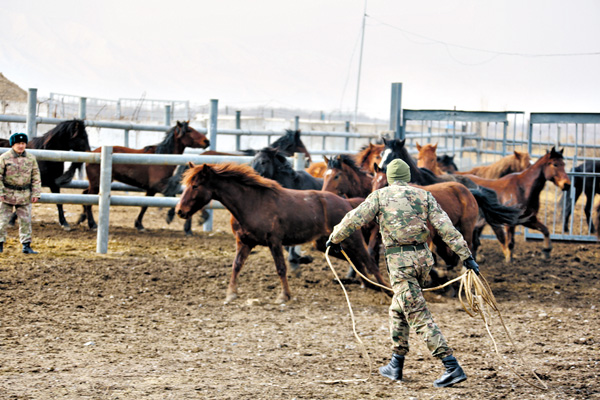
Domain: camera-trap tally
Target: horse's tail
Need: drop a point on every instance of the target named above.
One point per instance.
(174, 181)
(67, 177)
(494, 212)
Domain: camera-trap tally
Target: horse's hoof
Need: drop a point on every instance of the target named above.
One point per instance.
(11, 224)
(305, 260)
(188, 233)
(66, 227)
(230, 297)
(169, 218)
(283, 298)
(546, 253)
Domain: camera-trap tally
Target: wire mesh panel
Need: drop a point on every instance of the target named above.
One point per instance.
(568, 215)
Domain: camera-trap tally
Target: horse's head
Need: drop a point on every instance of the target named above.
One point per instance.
(78, 137)
(68, 135)
(291, 143)
(197, 192)
(189, 137)
(393, 149)
(446, 164)
(522, 159)
(554, 169)
(335, 179)
(267, 162)
(427, 157)
(380, 177)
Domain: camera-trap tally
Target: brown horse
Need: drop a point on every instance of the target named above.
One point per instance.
(365, 158)
(427, 158)
(152, 178)
(522, 190)
(266, 214)
(516, 162)
(344, 178)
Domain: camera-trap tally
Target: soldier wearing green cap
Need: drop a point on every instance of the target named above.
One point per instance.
(403, 213)
(20, 185)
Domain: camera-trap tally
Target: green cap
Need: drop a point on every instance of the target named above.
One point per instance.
(398, 170)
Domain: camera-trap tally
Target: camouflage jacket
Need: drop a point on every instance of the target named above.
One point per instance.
(402, 212)
(19, 171)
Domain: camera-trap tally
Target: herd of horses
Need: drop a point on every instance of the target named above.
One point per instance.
(274, 205)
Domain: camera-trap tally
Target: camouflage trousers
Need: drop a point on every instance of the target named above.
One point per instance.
(409, 308)
(24, 213)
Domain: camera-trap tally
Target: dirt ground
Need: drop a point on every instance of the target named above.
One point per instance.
(148, 320)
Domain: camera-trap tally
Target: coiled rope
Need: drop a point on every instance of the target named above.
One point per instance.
(478, 297)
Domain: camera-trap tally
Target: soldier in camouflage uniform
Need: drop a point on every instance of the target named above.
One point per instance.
(403, 213)
(20, 185)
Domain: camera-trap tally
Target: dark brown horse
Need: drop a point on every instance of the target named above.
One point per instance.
(590, 185)
(152, 178)
(66, 136)
(522, 190)
(266, 214)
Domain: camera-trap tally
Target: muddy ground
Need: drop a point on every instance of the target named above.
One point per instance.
(148, 320)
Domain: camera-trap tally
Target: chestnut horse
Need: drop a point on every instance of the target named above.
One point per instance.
(522, 190)
(367, 156)
(516, 162)
(427, 158)
(289, 144)
(152, 178)
(266, 214)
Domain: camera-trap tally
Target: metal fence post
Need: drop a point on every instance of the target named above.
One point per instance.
(396, 125)
(168, 115)
(82, 107)
(31, 125)
(299, 163)
(212, 134)
(238, 125)
(104, 199)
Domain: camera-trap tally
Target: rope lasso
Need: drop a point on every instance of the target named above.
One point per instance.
(478, 295)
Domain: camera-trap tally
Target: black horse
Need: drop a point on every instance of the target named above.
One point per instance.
(68, 135)
(588, 184)
(272, 163)
(447, 163)
(288, 144)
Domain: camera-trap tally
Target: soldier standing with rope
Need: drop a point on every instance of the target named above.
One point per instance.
(20, 185)
(403, 212)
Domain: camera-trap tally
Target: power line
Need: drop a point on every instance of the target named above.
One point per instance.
(494, 53)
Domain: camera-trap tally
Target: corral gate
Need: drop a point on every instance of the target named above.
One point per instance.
(579, 135)
(472, 137)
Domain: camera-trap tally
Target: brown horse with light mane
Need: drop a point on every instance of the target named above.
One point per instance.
(266, 214)
(152, 178)
(522, 190)
(365, 158)
(516, 162)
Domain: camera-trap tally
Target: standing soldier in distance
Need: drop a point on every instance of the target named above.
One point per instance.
(20, 185)
(403, 212)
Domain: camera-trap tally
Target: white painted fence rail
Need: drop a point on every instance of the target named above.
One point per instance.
(104, 199)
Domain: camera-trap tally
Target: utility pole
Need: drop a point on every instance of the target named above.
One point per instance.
(362, 42)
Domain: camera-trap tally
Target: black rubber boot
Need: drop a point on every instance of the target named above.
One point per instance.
(454, 373)
(27, 249)
(1, 247)
(394, 369)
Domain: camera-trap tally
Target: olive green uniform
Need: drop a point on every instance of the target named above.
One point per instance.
(402, 212)
(19, 181)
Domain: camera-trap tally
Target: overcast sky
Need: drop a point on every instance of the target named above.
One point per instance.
(524, 55)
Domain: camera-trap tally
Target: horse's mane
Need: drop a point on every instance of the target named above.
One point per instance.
(242, 173)
(166, 146)
(498, 169)
(337, 161)
(61, 132)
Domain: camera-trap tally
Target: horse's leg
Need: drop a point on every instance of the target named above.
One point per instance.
(533, 223)
(589, 202)
(241, 255)
(170, 215)
(277, 253)
(61, 215)
(578, 183)
(138, 221)
(499, 232)
(187, 227)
